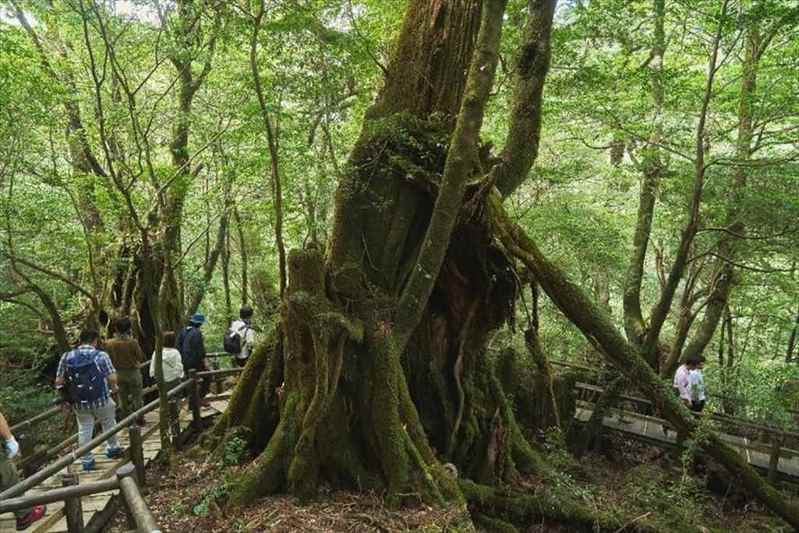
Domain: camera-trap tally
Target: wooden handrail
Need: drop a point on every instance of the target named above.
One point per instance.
(40, 476)
(54, 410)
(56, 495)
(49, 471)
(145, 521)
(36, 418)
(716, 416)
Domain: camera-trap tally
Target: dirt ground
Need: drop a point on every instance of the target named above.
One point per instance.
(649, 486)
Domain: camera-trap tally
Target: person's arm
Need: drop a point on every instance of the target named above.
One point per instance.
(59, 374)
(140, 353)
(11, 445)
(110, 372)
(202, 345)
(113, 384)
(5, 429)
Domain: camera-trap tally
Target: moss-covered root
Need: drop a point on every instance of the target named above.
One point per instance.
(246, 390)
(494, 525)
(268, 473)
(521, 509)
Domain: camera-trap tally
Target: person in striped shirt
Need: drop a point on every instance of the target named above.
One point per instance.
(87, 379)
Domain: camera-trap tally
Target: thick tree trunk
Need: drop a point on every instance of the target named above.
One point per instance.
(369, 392)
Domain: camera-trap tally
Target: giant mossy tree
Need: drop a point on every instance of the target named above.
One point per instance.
(378, 372)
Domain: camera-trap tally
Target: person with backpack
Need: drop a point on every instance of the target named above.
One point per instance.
(240, 337)
(9, 476)
(191, 345)
(86, 378)
(126, 356)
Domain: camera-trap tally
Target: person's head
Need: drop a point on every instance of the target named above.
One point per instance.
(88, 336)
(122, 325)
(694, 361)
(245, 313)
(169, 339)
(197, 320)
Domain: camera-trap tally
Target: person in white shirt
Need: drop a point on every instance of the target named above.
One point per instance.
(696, 386)
(246, 334)
(172, 362)
(681, 382)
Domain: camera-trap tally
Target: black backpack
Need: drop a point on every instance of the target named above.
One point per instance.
(85, 383)
(232, 342)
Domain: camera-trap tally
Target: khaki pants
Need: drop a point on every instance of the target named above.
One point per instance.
(9, 477)
(130, 391)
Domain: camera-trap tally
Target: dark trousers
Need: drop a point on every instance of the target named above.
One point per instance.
(697, 406)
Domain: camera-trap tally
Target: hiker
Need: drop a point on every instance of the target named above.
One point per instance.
(126, 356)
(171, 361)
(191, 345)
(9, 477)
(86, 378)
(696, 385)
(240, 337)
(680, 384)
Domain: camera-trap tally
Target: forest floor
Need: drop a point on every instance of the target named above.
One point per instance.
(638, 483)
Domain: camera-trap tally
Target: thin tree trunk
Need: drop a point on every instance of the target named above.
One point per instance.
(653, 168)
(210, 265)
(226, 276)
(789, 352)
(725, 279)
(272, 143)
(244, 258)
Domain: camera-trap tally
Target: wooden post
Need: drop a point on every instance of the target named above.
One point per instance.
(217, 381)
(144, 521)
(137, 452)
(194, 398)
(73, 509)
(174, 420)
(774, 458)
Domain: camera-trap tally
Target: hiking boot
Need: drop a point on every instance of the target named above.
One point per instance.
(88, 467)
(35, 514)
(114, 453)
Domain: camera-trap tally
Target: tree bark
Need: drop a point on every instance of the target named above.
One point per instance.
(272, 143)
(789, 352)
(377, 341)
(210, 265)
(244, 257)
(653, 168)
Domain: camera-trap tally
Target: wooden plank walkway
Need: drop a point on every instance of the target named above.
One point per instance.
(650, 429)
(54, 521)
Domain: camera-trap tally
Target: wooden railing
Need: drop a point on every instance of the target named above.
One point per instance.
(72, 493)
(20, 427)
(193, 386)
(775, 437)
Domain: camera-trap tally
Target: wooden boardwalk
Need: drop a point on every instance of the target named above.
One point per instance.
(650, 429)
(54, 521)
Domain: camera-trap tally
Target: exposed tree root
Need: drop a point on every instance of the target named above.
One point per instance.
(522, 509)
